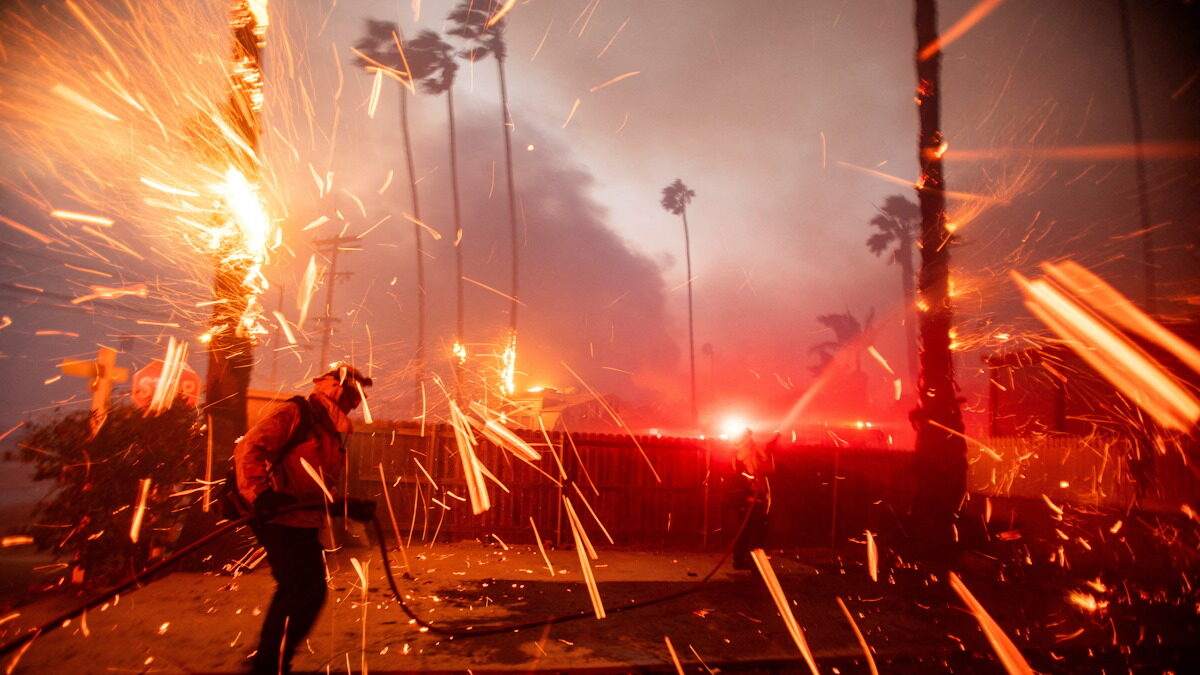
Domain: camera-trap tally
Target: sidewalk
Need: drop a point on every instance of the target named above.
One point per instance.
(194, 623)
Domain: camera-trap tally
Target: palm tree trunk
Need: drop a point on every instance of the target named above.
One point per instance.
(458, 232)
(940, 449)
(904, 258)
(512, 198)
(687, 252)
(419, 376)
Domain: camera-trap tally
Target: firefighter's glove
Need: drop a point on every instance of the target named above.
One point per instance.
(362, 510)
(268, 504)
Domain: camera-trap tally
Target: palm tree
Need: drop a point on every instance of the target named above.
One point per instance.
(941, 451)
(846, 331)
(380, 45)
(899, 223)
(428, 53)
(675, 198)
(470, 21)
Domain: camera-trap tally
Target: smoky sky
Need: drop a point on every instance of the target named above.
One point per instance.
(792, 121)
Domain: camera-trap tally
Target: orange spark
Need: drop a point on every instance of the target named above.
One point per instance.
(83, 218)
(781, 604)
(541, 548)
(139, 510)
(497, 292)
(872, 557)
(1085, 153)
(862, 642)
(570, 114)
(614, 81)
(25, 230)
(960, 27)
(1141, 378)
(674, 656)
(495, 18)
(1009, 655)
(613, 38)
(437, 236)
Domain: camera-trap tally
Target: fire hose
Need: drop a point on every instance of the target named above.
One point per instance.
(147, 575)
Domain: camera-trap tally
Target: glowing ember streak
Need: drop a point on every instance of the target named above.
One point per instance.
(862, 642)
(583, 547)
(502, 294)
(1086, 601)
(28, 231)
(285, 327)
(612, 39)
(376, 88)
(763, 563)
(502, 436)
(312, 473)
(83, 102)
(476, 488)
(966, 196)
(83, 218)
(495, 18)
(1142, 379)
(106, 293)
(167, 385)
(541, 548)
(308, 288)
(437, 236)
(603, 530)
(674, 656)
(1086, 153)
(361, 569)
(616, 418)
(15, 540)
(872, 557)
(1116, 307)
(139, 510)
(179, 192)
(1009, 655)
(960, 27)
(319, 221)
(460, 353)
(571, 114)
(614, 81)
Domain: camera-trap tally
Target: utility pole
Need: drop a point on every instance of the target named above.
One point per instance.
(330, 248)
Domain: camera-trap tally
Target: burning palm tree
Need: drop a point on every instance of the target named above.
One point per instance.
(481, 24)
(237, 279)
(941, 462)
(430, 55)
(675, 198)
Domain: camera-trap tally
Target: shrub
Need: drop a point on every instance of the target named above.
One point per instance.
(88, 513)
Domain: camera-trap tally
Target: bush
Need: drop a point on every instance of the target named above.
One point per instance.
(87, 515)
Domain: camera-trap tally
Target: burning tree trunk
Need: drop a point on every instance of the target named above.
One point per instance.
(231, 345)
(940, 449)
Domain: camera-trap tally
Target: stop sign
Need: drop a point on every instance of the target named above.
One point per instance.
(146, 380)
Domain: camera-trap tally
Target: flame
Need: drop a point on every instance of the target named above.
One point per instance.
(508, 367)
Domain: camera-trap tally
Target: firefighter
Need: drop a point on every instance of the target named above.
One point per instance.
(271, 474)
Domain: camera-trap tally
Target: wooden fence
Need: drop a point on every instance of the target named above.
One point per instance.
(821, 495)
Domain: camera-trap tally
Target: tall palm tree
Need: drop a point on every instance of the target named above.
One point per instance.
(846, 331)
(941, 451)
(428, 53)
(899, 223)
(470, 21)
(381, 44)
(675, 198)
